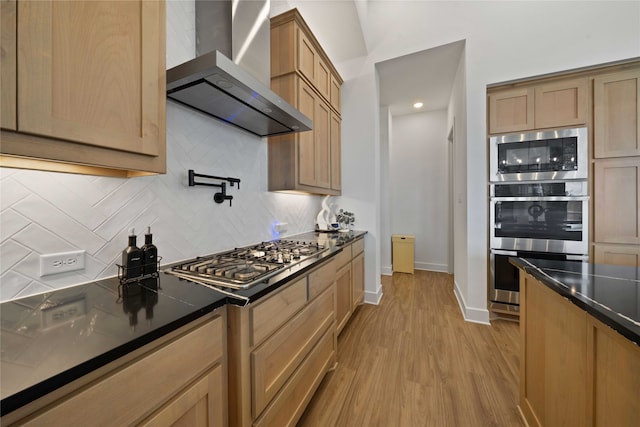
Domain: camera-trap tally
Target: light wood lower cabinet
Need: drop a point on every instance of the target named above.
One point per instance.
(274, 370)
(179, 382)
(574, 370)
(349, 281)
(553, 357)
(614, 370)
(343, 296)
(357, 272)
(201, 405)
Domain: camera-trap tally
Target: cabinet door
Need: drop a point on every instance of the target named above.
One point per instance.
(307, 57)
(323, 79)
(275, 360)
(617, 200)
(357, 277)
(553, 357)
(322, 131)
(8, 65)
(561, 103)
(511, 110)
(87, 75)
(617, 255)
(616, 104)
(307, 105)
(343, 296)
(201, 405)
(336, 152)
(335, 94)
(615, 365)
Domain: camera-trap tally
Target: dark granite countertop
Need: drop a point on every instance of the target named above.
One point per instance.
(44, 347)
(610, 293)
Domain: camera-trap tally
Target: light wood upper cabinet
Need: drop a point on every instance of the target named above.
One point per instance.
(561, 103)
(538, 106)
(616, 103)
(336, 150)
(302, 74)
(335, 94)
(8, 67)
(511, 110)
(91, 84)
(307, 57)
(617, 200)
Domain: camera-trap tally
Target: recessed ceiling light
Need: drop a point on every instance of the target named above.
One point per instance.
(418, 105)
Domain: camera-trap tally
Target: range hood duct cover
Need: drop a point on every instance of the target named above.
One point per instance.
(215, 85)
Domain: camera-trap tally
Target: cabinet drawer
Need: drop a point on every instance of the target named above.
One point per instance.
(343, 257)
(275, 360)
(358, 246)
(322, 278)
(270, 314)
(202, 404)
(157, 377)
(289, 405)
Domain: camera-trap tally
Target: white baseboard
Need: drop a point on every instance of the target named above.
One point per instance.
(373, 297)
(387, 271)
(470, 314)
(442, 268)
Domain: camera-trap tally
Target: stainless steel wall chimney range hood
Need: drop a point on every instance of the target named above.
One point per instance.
(215, 85)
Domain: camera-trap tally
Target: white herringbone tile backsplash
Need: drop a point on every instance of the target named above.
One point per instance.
(46, 212)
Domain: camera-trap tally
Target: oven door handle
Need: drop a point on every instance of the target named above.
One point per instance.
(540, 199)
(502, 252)
(577, 257)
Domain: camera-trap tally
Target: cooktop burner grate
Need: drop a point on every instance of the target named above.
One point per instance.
(243, 267)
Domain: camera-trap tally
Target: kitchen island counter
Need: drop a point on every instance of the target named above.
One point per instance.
(610, 293)
(579, 337)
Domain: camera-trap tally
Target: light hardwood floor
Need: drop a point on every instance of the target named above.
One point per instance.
(414, 361)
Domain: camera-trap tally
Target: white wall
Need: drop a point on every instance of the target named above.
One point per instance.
(419, 185)
(386, 128)
(44, 212)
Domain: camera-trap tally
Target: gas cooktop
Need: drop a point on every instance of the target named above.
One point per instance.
(241, 268)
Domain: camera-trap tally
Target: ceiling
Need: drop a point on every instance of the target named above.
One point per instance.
(427, 75)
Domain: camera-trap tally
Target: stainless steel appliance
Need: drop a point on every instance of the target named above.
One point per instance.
(540, 217)
(546, 155)
(229, 78)
(504, 292)
(242, 268)
(543, 220)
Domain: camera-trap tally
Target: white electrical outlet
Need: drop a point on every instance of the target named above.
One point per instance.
(280, 227)
(61, 262)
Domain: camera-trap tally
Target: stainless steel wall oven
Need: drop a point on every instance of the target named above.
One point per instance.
(537, 219)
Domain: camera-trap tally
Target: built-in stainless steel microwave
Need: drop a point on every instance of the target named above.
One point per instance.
(545, 155)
